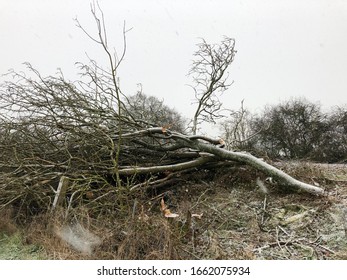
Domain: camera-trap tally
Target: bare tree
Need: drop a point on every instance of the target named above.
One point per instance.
(110, 86)
(153, 112)
(209, 73)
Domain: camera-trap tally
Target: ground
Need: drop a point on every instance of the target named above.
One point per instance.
(222, 215)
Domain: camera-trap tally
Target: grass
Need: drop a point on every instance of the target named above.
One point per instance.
(233, 220)
(14, 248)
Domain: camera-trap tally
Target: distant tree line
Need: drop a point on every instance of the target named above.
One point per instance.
(294, 129)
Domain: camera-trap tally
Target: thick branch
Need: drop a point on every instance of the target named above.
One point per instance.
(172, 167)
(258, 164)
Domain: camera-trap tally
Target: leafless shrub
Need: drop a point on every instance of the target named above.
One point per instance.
(333, 143)
(291, 129)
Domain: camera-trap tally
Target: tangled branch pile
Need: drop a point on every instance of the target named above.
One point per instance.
(51, 127)
(99, 138)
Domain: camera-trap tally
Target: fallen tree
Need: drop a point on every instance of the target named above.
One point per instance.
(88, 132)
(208, 151)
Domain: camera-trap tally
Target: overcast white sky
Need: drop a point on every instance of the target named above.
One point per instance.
(285, 48)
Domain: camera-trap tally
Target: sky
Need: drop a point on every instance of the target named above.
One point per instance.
(284, 48)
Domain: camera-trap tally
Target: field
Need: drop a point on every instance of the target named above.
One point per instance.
(223, 214)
